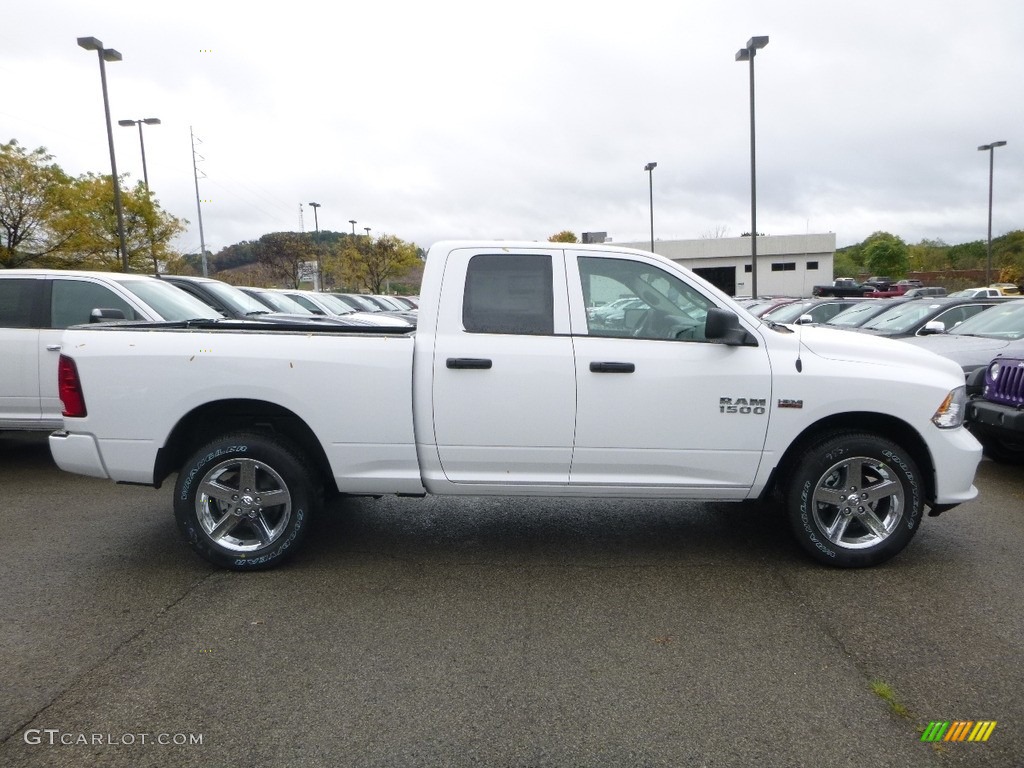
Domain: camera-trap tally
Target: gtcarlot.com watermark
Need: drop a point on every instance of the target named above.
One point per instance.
(55, 737)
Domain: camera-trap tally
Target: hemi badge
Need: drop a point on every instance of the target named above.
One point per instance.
(791, 403)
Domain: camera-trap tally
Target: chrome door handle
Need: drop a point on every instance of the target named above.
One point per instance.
(53, 347)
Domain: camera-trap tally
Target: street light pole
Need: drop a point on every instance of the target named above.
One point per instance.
(142, 144)
(319, 263)
(367, 231)
(650, 178)
(747, 54)
(105, 55)
(991, 149)
(353, 223)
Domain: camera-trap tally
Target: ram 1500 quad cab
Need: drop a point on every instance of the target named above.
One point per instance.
(508, 387)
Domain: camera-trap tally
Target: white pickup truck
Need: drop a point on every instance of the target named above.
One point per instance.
(509, 386)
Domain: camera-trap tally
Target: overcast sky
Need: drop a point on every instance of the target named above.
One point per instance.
(450, 119)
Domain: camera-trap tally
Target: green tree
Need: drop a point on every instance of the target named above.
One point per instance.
(928, 256)
(565, 236)
(886, 254)
(30, 185)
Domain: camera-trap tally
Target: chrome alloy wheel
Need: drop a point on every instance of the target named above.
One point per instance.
(243, 505)
(858, 502)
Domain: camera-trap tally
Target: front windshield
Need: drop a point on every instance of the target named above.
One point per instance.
(169, 302)
(238, 300)
(788, 313)
(281, 303)
(901, 318)
(1003, 321)
(855, 315)
(334, 304)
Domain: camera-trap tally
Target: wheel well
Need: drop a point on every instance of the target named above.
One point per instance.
(879, 424)
(209, 421)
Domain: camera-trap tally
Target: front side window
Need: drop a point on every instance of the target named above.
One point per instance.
(509, 294)
(627, 298)
(72, 302)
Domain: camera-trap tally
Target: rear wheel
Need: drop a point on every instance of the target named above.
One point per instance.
(244, 501)
(854, 499)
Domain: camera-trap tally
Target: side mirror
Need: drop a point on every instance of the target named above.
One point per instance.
(933, 327)
(99, 315)
(723, 325)
(804, 319)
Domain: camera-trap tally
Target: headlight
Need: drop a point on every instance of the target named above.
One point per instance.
(993, 371)
(951, 413)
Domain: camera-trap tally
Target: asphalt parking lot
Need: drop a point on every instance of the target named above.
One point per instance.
(500, 632)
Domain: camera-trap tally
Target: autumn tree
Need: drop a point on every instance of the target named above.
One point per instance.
(565, 236)
(29, 187)
(85, 221)
(370, 264)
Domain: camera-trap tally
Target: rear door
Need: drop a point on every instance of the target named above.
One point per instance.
(504, 383)
(20, 318)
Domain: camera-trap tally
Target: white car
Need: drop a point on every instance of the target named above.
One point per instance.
(36, 305)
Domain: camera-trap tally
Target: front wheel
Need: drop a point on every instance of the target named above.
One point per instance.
(854, 499)
(243, 501)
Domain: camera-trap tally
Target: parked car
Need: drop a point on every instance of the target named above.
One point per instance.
(758, 307)
(880, 282)
(997, 331)
(925, 291)
(277, 302)
(37, 304)
(328, 305)
(925, 316)
(862, 312)
(996, 416)
(809, 310)
(908, 283)
(974, 293)
(231, 301)
(1007, 289)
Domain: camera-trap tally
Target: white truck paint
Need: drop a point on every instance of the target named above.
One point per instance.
(509, 387)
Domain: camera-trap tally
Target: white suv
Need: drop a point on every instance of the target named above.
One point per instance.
(37, 304)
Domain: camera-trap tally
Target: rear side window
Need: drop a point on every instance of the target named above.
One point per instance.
(18, 298)
(73, 301)
(509, 294)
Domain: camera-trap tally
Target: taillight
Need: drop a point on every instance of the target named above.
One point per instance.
(70, 388)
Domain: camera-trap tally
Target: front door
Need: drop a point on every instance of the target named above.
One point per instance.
(659, 406)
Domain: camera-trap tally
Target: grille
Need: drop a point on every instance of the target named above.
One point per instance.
(1009, 387)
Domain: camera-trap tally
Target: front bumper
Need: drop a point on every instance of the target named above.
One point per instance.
(956, 458)
(996, 417)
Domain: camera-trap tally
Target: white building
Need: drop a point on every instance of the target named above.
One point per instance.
(787, 265)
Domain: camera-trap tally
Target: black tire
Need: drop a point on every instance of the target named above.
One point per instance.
(244, 501)
(854, 499)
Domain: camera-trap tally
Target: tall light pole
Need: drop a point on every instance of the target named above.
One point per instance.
(353, 223)
(747, 54)
(319, 263)
(199, 202)
(991, 148)
(367, 232)
(105, 55)
(142, 144)
(650, 178)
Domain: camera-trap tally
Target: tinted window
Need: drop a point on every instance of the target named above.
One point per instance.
(509, 294)
(73, 301)
(168, 302)
(17, 302)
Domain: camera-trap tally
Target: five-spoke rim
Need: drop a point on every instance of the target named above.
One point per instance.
(858, 503)
(243, 505)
